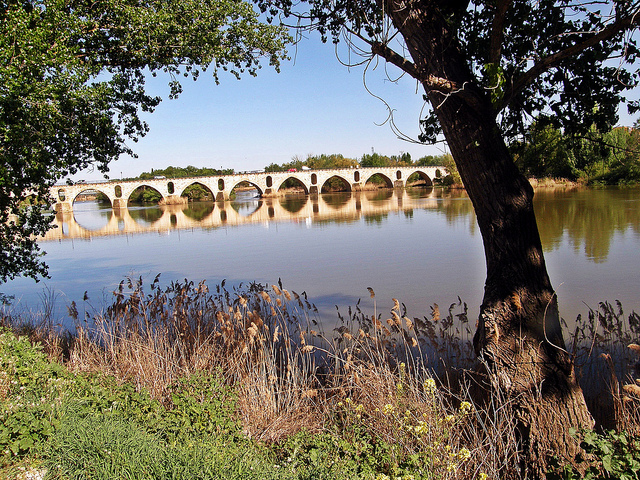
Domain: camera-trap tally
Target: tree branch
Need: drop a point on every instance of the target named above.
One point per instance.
(433, 82)
(497, 31)
(553, 60)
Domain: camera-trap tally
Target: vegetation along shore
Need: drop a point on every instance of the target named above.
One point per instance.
(181, 382)
(184, 382)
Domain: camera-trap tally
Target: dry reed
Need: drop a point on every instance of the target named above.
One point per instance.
(289, 375)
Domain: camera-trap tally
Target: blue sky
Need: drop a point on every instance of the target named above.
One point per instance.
(315, 105)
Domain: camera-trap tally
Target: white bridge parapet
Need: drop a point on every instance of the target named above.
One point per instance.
(268, 184)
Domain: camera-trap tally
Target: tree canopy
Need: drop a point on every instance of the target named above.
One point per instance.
(593, 157)
(533, 59)
(183, 172)
(72, 87)
(488, 68)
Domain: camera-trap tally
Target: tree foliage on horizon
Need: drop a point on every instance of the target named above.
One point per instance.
(72, 87)
(611, 158)
(184, 172)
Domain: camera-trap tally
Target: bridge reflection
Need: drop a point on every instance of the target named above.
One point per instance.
(299, 208)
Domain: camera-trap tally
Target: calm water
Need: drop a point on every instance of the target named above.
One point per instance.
(421, 247)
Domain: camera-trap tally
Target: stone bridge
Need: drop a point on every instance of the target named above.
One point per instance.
(304, 210)
(268, 184)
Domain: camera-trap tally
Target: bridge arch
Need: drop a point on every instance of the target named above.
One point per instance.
(73, 195)
(422, 176)
(292, 179)
(146, 195)
(197, 191)
(388, 182)
(247, 181)
(335, 180)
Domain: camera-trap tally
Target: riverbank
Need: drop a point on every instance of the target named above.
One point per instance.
(554, 183)
(184, 383)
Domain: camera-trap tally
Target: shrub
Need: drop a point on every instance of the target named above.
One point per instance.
(30, 393)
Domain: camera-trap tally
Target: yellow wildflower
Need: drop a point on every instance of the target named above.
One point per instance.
(464, 454)
(388, 409)
(430, 385)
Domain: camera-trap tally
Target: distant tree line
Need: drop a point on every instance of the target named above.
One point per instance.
(611, 158)
(594, 158)
(336, 160)
(182, 172)
(373, 159)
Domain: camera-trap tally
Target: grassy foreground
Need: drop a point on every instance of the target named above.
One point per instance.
(183, 383)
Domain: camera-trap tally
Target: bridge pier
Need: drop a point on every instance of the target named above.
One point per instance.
(119, 203)
(63, 207)
(174, 200)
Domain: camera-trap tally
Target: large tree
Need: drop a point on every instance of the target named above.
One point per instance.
(72, 86)
(487, 68)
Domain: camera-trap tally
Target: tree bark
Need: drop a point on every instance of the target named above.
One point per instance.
(519, 336)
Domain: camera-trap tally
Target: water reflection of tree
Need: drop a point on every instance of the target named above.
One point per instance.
(199, 210)
(375, 218)
(294, 204)
(148, 215)
(336, 201)
(421, 192)
(378, 195)
(589, 217)
(456, 206)
(245, 209)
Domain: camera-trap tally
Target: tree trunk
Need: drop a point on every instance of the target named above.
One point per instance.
(518, 335)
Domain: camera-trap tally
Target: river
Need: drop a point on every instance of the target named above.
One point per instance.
(420, 246)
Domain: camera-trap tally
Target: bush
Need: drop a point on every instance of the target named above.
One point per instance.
(30, 394)
(616, 456)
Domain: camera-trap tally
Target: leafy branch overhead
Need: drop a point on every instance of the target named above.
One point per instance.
(531, 58)
(72, 87)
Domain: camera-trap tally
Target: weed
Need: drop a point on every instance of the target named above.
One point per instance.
(615, 455)
(248, 374)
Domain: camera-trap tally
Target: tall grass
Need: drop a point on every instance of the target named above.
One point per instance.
(403, 383)
(608, 360)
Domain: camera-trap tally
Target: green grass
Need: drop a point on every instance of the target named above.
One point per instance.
(259, 407)
(111, 446)
(89, 427)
